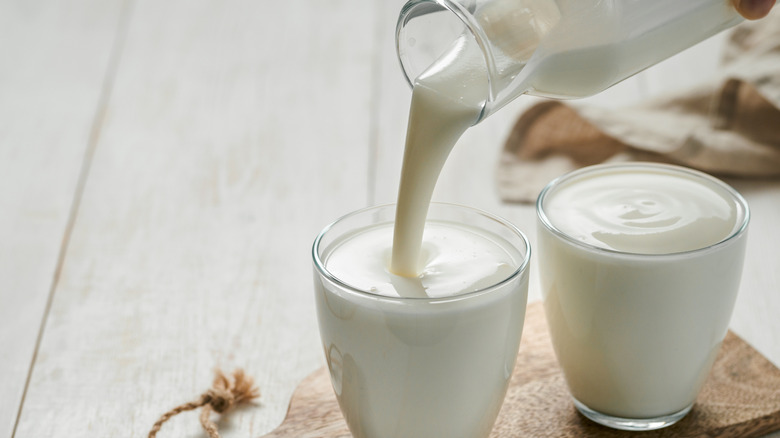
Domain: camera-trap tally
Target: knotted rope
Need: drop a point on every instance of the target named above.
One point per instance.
(223, 395)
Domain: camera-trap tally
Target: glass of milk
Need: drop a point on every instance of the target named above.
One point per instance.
(640, 266)
(424, 356)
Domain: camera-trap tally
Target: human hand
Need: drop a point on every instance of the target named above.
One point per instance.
(753, 9)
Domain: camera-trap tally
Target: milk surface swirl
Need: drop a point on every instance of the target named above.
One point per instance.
(643, 210)
(454, 259)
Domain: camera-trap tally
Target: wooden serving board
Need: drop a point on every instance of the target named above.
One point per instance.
(740, 399)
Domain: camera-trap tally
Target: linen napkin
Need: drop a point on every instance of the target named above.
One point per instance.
(727, 126)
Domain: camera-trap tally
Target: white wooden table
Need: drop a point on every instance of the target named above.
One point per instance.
(164, 168)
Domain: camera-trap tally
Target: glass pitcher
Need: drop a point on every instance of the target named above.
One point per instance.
(552, 48)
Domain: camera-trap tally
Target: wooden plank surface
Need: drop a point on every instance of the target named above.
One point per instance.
(54, 58)
(235, 131)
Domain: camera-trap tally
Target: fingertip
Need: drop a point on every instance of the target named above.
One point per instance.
(754, 9)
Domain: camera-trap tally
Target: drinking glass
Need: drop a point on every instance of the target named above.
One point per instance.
(636, 333)
(421, 367)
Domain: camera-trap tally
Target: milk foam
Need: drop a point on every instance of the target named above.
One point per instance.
(642, 210)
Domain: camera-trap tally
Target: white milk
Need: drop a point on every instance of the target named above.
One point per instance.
(436, 362)
(636, 308)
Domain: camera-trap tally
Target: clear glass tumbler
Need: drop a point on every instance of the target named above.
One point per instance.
(421, 367)
(636, 332)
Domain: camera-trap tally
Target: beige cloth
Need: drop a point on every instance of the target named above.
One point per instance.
(728, 127)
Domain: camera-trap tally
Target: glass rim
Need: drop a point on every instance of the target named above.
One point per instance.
(736, 197)
(520, 270)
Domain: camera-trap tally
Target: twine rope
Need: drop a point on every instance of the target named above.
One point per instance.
(223, 395)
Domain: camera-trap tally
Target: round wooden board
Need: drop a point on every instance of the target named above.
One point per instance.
(741, 398)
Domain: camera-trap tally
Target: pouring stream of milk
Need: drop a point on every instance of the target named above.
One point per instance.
(447, 99)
